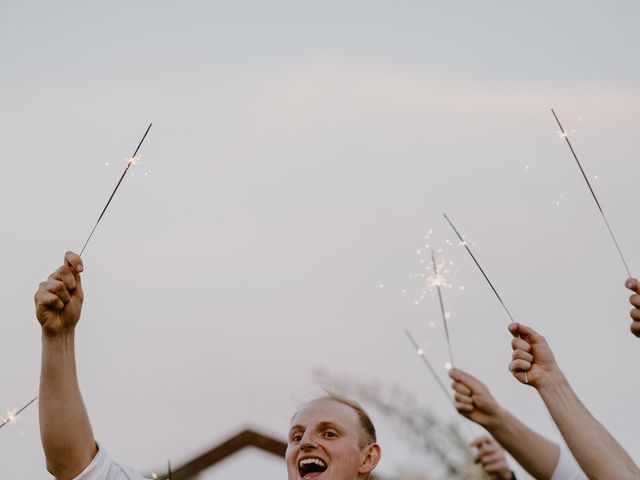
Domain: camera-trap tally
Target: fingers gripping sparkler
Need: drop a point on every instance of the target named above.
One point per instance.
(442, 310)
(12, 415)
(463, 243)
(129, 162)
(593, 194)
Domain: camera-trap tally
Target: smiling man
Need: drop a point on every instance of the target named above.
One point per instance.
(330, 438)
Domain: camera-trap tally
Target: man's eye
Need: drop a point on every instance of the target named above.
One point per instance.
(296, 438)
(330, 434)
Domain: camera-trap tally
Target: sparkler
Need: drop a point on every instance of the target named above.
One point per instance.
(129, 162)
(169, 470)
(442, 310)
(420, 353)
(564, 135)
(462, 242)
(12, 415)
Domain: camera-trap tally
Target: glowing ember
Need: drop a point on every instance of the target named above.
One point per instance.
(12, 416)
(420, 352)
(448, 365)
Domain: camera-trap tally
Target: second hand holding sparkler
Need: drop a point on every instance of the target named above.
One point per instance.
(129, 162)
(526, 379)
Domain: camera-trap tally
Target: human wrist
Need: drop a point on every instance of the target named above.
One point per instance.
(56, 334)
(551, 381)
(496, 420)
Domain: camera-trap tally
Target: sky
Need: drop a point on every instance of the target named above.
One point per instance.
(299, 154)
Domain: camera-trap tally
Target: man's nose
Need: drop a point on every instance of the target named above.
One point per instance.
(308, 441)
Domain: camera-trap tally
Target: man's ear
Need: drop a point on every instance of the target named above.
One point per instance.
(371, 459)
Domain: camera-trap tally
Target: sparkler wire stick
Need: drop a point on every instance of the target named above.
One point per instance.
(442, 311)
(421, 354)
(526, 378)
(428, 364)
(479, 267)
(15, 415)
(593, 194)
(169, 470)
(115, 189)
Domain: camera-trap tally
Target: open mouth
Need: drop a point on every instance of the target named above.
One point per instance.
(311, 468)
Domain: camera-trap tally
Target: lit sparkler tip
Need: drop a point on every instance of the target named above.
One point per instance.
(448, 366)
(420, 352)
(12, 416)
(382, 285)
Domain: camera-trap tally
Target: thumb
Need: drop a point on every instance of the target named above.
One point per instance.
(527, 333)
(467, 380)
(633, 285)
(74, 262)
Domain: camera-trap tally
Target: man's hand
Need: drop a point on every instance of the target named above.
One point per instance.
(633, 285)
(473, 399)
(59, 298)
(532, 355)
(490, 456)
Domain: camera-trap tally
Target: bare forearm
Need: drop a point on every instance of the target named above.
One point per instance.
(598, 453)
(536, 454)
(65, 430)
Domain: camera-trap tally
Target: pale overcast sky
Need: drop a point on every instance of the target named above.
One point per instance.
(300, 152)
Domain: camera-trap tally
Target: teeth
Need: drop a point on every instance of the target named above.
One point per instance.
(309, 461)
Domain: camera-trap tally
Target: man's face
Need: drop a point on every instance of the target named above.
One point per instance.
(325, 443)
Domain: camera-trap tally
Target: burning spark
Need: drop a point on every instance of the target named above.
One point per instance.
(448, 366)
(132, 160)
(593, 194)
(13, 415)
(420, 352)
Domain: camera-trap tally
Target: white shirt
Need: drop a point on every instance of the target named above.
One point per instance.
(104, 468)
(567, 467)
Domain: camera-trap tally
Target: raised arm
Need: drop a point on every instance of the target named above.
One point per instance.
(65, 430)
(536, 454)
(598, 453)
